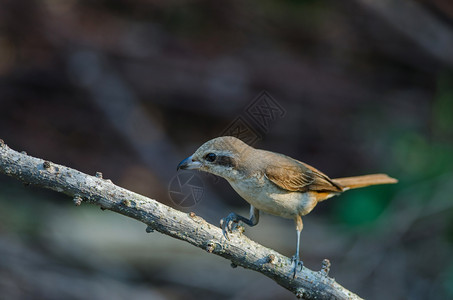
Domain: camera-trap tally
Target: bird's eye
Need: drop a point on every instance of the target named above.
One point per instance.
(210, 157)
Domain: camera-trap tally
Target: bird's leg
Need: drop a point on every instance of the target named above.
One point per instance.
(227, 223)
(298, 264)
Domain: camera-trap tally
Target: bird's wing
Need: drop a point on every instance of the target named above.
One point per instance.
(295, 176)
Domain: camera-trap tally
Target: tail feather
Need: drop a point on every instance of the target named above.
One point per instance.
(364, 180)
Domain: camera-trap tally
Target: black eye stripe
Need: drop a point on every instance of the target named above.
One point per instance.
(226, 161)
(221, 160)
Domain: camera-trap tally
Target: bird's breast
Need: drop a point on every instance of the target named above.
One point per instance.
(266, 196)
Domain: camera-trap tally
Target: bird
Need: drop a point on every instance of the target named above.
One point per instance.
(271, 182)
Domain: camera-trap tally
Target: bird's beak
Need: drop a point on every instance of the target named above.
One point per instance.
(188, 164)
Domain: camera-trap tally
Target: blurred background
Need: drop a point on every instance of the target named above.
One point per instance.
(130, 88)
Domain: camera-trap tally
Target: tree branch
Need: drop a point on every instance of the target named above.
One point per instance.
(187, 227)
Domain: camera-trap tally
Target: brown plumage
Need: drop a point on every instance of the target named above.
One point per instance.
(295, 176)
(364, 180)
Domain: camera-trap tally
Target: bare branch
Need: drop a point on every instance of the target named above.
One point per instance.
(187, 227)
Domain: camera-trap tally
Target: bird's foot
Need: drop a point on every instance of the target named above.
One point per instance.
(229, 224)
(298, 265)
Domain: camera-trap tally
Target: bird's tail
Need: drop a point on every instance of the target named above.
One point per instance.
(364, 180)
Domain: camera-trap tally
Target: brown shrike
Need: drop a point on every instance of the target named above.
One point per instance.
(271, 182)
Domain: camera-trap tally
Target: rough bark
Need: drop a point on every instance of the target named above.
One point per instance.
(184, 226)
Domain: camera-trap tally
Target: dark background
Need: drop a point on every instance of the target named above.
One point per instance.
(130, 88)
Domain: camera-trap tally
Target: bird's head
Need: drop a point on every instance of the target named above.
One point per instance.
(219, 156)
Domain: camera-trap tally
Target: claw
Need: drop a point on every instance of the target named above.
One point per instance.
(226, 224)
(298, 264)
